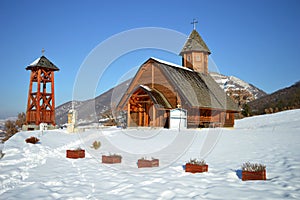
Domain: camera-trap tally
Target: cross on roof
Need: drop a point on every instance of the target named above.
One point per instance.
(194, 23)
(43, 51)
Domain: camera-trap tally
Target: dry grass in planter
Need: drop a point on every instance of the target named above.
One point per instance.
(111, 159)
(143, 162)
(77, 153)
(253, 171)
(96, 145)
(32, 140)
(196, 166)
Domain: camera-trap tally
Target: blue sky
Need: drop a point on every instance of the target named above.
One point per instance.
(257, 41)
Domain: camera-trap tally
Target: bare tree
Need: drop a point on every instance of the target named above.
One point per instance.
(12, 127)
(21, 119)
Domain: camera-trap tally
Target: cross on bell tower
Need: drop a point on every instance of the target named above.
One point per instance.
(41, 99)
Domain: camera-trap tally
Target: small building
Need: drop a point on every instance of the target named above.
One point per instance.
(178, 119)
(160, 88)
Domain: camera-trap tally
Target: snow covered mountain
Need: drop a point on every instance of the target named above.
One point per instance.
(241, 91)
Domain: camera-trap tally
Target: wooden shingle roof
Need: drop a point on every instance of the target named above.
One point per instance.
(197, 89)
(195, 43)
(156, 97)
(42, 62)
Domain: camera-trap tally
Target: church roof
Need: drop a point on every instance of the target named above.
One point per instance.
(196, 89)
(195, 43)
(156, 96)
(42, 62)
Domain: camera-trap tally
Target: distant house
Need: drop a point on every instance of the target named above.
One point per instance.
(159, 88)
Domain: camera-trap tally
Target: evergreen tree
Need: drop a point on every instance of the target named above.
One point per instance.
(246, 112)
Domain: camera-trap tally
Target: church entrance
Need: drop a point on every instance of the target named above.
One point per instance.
(147, 108)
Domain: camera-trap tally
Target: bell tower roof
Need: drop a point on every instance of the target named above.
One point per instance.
(42, 62)
(194, 43)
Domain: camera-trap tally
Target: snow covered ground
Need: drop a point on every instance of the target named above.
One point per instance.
(42, 171)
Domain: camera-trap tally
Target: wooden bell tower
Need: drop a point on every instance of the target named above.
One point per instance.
(195, 52)
(41, 100)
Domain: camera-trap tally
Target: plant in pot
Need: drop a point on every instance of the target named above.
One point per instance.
(76, 153)
(144, 162)
(32, 140)
(111, 159)
(196, 166)
(253, 171)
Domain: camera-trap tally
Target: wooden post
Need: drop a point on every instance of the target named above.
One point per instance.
(52, 99)
(128, 114)
(140, 117)
(154, 115)
(152, 76)
(38, 97)
(28, 118)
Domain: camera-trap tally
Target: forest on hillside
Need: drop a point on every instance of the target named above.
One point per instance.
(284, 99)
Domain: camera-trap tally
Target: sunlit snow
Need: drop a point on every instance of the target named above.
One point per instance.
(42, 171)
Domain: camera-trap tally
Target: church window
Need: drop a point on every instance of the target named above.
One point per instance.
(189, 58)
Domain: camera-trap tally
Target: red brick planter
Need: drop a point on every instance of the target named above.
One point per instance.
(260, 175)
(79, 153)
(196, 168)
(111, 159)
(148, 163)
(32, 140)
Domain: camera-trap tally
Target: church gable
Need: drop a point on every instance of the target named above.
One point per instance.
(151, 76)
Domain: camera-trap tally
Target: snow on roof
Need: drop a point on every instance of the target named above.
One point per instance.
(171, 64)
(146, 87)
(44, 63)
(35, 62)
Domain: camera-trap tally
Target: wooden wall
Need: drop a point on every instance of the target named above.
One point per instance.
(197, 61)
(198, 118)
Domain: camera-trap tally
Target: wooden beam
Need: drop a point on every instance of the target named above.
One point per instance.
(53, 99)
(140, 118)
(38, 96)
(29, 98)
(141, 102)
(152, 75)
(154, 115)
(142, 95)
(128, 114)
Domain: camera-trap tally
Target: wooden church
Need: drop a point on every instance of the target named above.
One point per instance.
(160, 89)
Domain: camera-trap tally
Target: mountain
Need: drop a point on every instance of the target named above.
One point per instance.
(90, 111)
(284, 99)
(240, 91)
